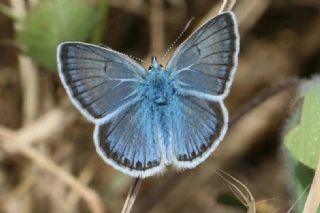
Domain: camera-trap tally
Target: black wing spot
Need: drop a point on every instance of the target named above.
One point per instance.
(105, 67)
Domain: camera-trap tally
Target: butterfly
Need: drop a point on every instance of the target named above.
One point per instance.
(146, 120)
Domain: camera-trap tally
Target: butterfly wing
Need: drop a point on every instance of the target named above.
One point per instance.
(99, 81)
(198, 128)
(130, 142)
(205, 63)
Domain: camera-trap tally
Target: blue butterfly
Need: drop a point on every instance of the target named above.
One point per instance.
(148, 120)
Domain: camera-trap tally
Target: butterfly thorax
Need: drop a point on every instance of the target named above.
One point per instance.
(158, 89)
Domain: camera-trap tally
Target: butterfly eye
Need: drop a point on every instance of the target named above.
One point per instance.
(149, 68)
(161, 66)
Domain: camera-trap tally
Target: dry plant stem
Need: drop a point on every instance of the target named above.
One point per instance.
(313, 200)
(230, 5)
(48, 125)
(132, 195)
(92, 199)
(263, 96)
(22, 188)
(28, 73)
(298, 199)
(227, 5)
(216, 10)
(157, 27)
(247, 200)
(85, 177)
(223, 6)
(161, 192)
(30, 88)
(248, 13)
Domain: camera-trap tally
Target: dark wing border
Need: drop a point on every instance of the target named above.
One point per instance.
(140, 71)
(235, 59)
(189, 164)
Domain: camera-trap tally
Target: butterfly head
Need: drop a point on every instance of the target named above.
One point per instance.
(158, 88)
(155, 64)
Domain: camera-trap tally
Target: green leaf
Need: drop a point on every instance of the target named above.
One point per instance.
(302, 179)
(230, 200)
(98, 32)
(55, 21)
(303, 140)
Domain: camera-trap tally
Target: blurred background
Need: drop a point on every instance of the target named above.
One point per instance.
(48, 161)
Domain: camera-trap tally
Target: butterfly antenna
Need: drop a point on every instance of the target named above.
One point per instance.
(177, 39)
(131, 56)
(137, 59)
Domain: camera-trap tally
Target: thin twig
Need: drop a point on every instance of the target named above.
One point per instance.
(227, 5)
(298, 199)
(231, 5)
(159, 193)
(248, 201)
(41, 129)
(51, 123)
(223, 6)
(85, 177)
(132, 195)
(262, 97)
(249, 13)
(9, 141)
(28, 73)
(23, 188)
(216, 10)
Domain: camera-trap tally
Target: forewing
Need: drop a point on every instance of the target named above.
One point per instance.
(99, 81)
(205, 63)
(130, 143)
(198, 128)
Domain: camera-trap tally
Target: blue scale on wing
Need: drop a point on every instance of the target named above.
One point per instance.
(100, 80)
(131, 139)
(204, 62)
(196, 127)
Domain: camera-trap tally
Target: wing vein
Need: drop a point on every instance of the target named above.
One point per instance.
(87, 77)
(206, 74)
(216, 53)
(84, 91)
(217, 42)
(89, 59)
(103, 95)
(211, 34)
